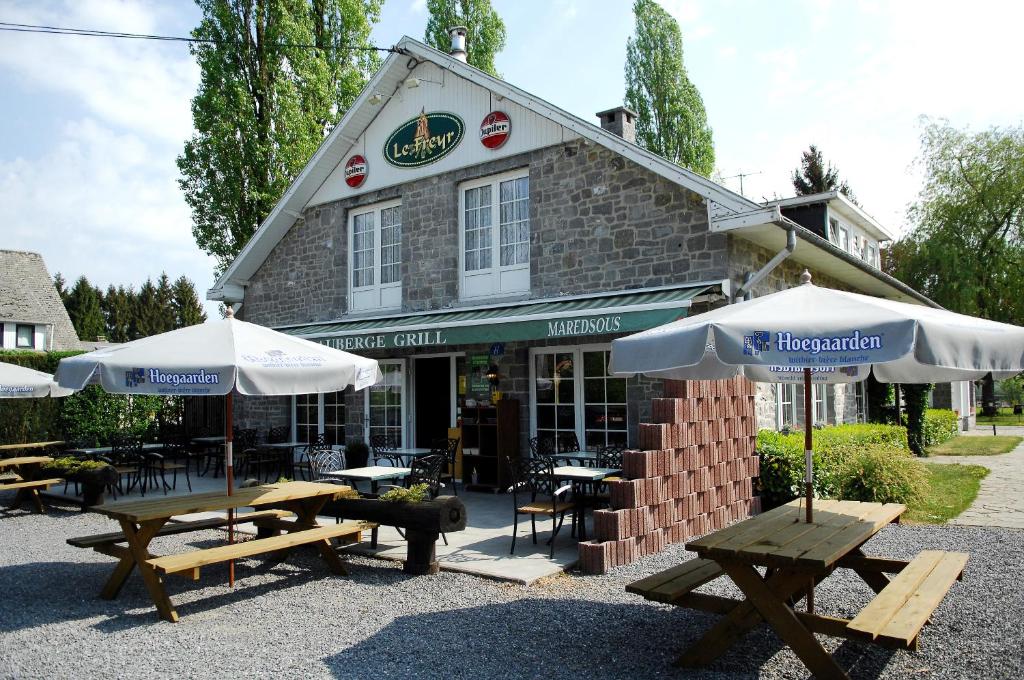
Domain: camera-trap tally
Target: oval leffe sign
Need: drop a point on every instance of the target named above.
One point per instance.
(423, 140)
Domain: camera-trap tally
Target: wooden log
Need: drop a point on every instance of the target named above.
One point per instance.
(444, 514)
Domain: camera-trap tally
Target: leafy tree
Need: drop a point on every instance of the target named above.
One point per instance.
(671, 120)
(966, 248)
(265, 102)
(118, 308)
(815, 176)
(83, 305)
(188, 310)
(485, 31)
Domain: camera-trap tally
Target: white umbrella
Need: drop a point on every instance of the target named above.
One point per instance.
(17, 382)
(219, 358)
(810, 334)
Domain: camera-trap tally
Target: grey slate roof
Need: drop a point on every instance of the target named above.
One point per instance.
(27, 295)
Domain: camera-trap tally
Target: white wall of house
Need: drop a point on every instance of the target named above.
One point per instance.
(9, 333)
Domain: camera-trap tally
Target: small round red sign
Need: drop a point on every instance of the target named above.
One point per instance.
(355, 171)
(495, 129)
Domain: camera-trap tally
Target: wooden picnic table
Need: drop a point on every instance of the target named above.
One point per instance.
(796, 556)
(143, 520)
(29, 445)
(24, 482)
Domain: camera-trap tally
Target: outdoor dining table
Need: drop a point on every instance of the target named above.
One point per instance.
(142, 520)
(373, 474)
(107, 450)
(797, 555)
(24, 467)
(580, 478)
(408, 454)
(583, 457)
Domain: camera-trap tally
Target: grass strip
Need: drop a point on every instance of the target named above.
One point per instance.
(976, 446)
(951, 488)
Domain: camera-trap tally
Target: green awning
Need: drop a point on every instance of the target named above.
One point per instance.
(578, 316)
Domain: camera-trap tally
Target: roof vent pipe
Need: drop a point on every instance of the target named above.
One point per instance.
(752, 279)
(458, 34)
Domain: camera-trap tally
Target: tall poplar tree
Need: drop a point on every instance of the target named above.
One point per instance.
(671, 120)
(485, 31)
(275, 78)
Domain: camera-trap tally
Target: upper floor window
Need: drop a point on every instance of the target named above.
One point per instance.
(375, 259)
(25, 336)
(494, 235)
(833, 230)
(843, 239)
(872, 254)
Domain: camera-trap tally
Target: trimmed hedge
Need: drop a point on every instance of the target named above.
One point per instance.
(940, 425)
(782, 458)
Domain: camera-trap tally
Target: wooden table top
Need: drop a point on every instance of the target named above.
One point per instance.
(781, 537)
(30, 445)
(24, 460)
(265, 494)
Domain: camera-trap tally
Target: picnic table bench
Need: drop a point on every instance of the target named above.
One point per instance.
(143, 520)
(21, 470)
(796, 556)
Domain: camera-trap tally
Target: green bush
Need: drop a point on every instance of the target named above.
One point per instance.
(879, 474)
(65, 467)
(782, 458)
(414, 494)
(940, 425)
(31, 420)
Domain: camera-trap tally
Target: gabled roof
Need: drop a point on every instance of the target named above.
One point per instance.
(27, 295)
(396, 68)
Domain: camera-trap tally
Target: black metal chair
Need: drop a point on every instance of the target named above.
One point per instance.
(535, 491)
(568, 442)
(542, 445)
(159, 464)
(450, 447)
(300, 463)
(609, 456)
(126, 457)
(278, 434)
(383, 448)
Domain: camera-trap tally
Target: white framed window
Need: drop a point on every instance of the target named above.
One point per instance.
(833, 230)
(844, 239)
(820, 400)
(315, 414)
(25, 336)
(787, 406)
(494, 235)
(375, 256)
(385, 403)
(872, 254)
(572, 390)
(861, 392)
(790, 405)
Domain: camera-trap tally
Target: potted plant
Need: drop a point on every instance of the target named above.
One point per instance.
(94, 476)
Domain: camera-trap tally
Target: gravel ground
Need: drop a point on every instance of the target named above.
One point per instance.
(296, 621)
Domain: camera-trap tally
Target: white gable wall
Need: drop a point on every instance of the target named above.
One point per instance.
(456, 95)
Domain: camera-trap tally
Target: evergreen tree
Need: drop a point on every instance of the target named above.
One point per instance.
(83, 305)
(815, 176)
(118, 308)
(147, 319)
(671, 120)
(62, 287)
(265, 102)
(485, 31)
(188, 310)
(165, 304)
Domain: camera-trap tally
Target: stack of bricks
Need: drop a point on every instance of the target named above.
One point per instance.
(693, 475)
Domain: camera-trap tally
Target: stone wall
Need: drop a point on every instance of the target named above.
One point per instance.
(693, 475)
(598, 222)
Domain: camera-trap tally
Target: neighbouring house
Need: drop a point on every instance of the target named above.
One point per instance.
(32, 315)
(476, 238)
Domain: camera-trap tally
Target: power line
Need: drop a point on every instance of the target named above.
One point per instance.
(90, 33)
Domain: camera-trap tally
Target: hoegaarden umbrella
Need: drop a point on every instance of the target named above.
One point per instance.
(811, 335)
(18, 382)
(219, 358)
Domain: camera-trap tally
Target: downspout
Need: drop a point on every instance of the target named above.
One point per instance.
(751, 279)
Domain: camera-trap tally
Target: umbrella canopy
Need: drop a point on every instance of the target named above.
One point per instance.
(19, 382)
(215, 358)
(811, 334)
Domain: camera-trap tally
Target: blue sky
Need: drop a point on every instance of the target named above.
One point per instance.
(91, 127)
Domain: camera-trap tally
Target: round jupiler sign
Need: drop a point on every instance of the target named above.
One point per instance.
(355, 171)
(495, 129)
(423, 140)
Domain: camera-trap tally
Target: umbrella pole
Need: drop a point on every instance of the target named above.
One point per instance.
(229, 471)
(808, 445)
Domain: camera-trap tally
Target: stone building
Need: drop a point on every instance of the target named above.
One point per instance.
(477, 239)
(32, 315)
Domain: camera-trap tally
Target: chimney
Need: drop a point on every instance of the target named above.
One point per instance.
(621, 121)
(458, 34)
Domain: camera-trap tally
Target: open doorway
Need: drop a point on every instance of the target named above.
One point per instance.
(433, 399)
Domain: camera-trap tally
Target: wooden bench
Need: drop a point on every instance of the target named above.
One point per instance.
(193, 560)
(171, 528)
(30, 490)
(671, 585)
(896, 615)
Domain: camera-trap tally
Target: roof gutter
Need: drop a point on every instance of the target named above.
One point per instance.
(751, 279)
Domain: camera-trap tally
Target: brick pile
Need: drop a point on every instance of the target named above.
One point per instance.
(693, 475)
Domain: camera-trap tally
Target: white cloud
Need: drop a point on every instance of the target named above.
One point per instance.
(418, 7)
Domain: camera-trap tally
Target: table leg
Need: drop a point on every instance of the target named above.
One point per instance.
(737, 623)
(138, 544)
(306, 511)
(126, 564)
(784, 621)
